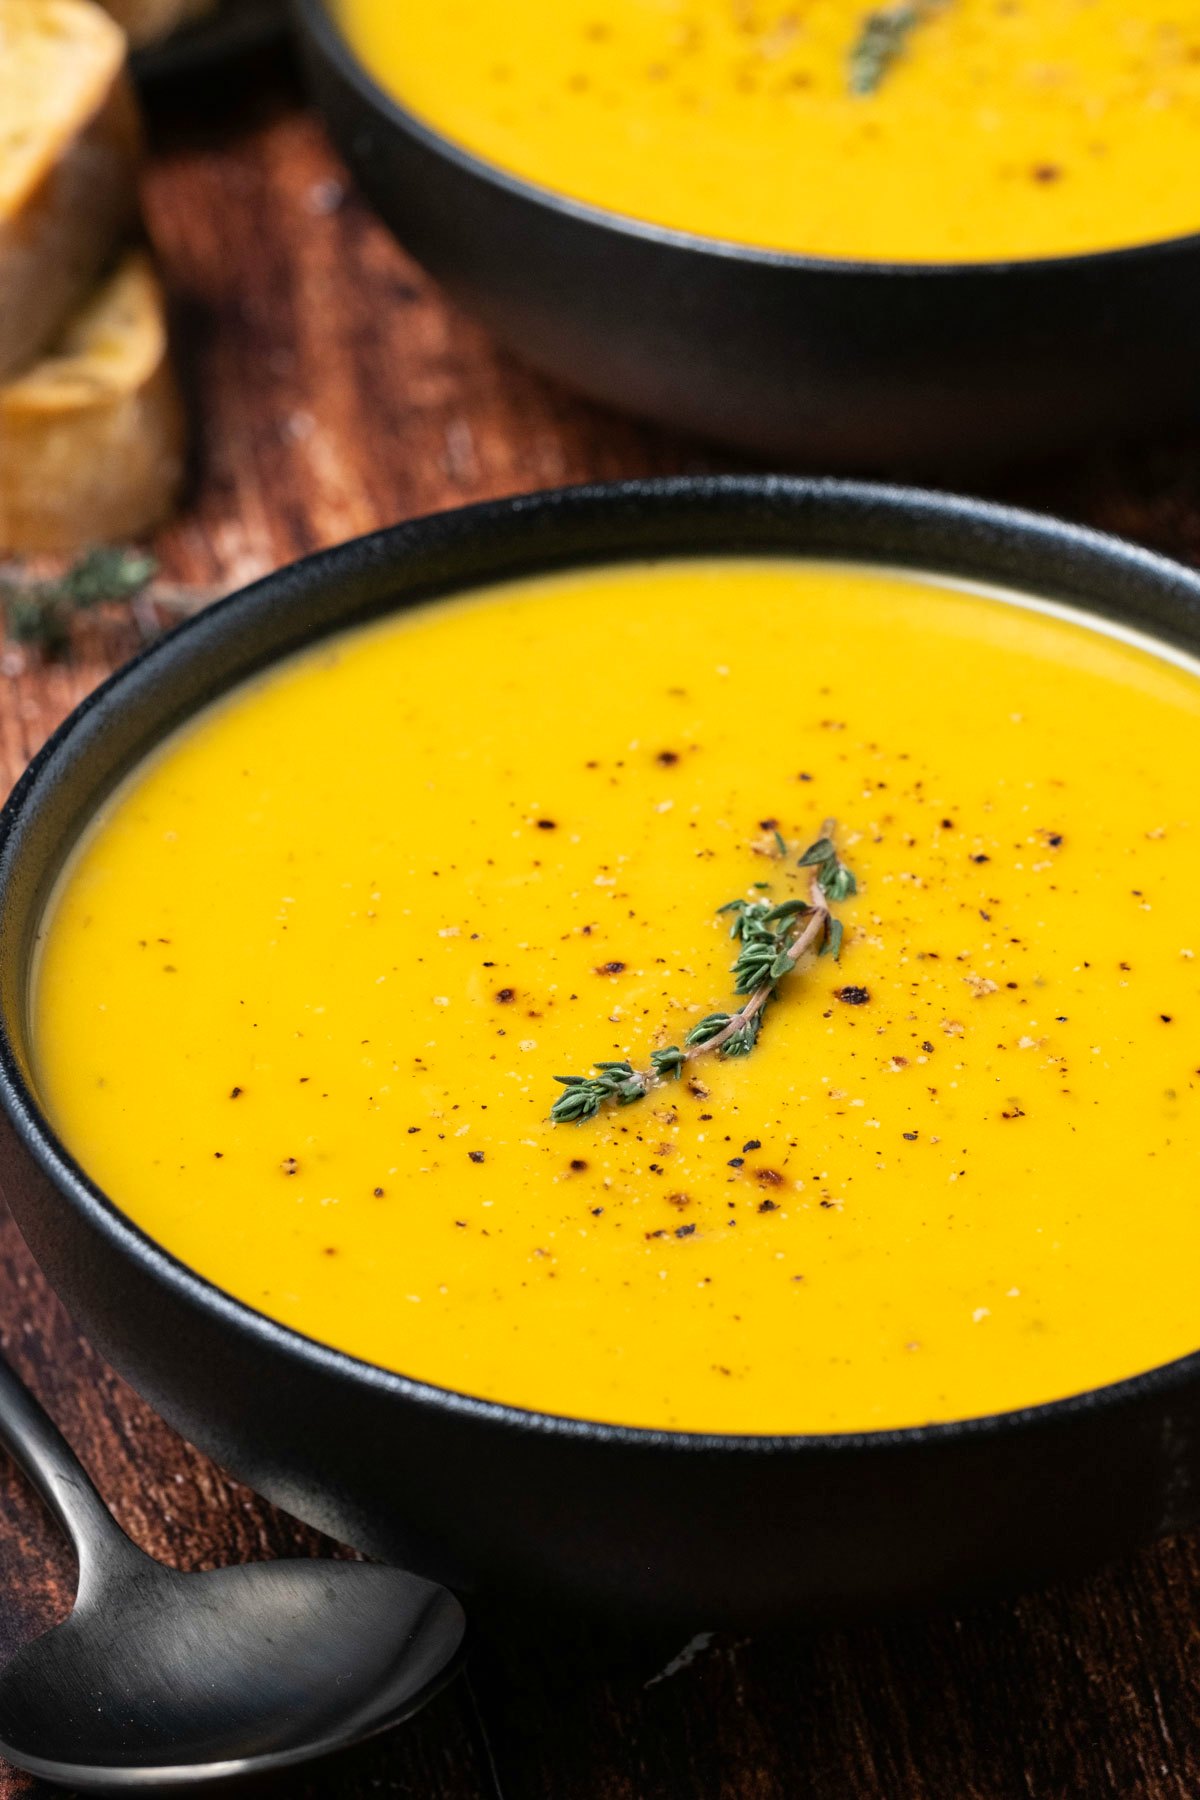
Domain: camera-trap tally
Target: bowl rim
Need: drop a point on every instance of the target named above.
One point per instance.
(316, 572)
(317, 19)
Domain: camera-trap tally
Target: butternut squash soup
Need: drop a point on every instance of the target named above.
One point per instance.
(941, 130)
(304, 991)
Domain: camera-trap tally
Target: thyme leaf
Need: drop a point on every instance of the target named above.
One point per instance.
(883, 40)
(771, 942)
(619, 1082)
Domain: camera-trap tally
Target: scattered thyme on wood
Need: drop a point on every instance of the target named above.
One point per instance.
(883, 40)
(39, 613)
(772, 940)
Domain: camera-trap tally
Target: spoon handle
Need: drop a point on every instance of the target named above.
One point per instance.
(38, 1447)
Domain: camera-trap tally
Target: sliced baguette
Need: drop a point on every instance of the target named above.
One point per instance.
(69, 145)
(149, 21)
(91, 437)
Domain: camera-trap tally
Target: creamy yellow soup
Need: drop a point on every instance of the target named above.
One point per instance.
(999, 128)
(304, 991)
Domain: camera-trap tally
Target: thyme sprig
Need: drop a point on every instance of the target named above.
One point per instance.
(883, 40)
(39, 612)
(771, 940)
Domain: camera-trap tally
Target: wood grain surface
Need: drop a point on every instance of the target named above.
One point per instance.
(334, 390)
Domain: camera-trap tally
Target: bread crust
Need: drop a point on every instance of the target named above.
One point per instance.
(92, 437)
(70, 147)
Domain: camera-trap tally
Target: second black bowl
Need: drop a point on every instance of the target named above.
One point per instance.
(832, 364)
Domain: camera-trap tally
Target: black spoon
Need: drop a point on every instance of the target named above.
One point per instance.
(161, 1681)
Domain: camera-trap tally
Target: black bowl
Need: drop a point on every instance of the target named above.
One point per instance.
(702, 1527)
(834, 364)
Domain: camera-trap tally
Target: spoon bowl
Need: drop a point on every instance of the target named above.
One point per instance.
(161, 1681)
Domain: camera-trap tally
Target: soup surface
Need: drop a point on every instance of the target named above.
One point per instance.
(304, 991)
(996, 130)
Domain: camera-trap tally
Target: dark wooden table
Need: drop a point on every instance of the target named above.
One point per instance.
(334, 390)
